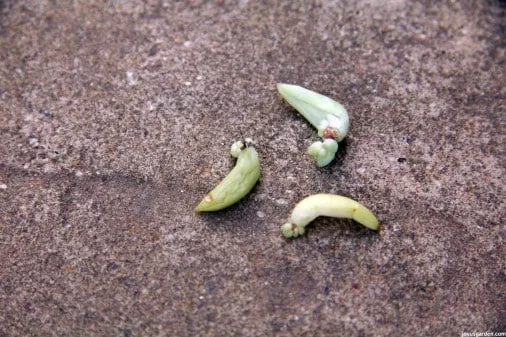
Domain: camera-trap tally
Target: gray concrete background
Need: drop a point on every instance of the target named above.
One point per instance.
(116, 118)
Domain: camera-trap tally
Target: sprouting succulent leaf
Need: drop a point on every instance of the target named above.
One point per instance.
(329, 117)
(331, 205)
(237, 183)
(319, 110)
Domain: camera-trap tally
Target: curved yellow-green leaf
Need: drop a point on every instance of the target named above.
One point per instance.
(236, 184)
(327, 205)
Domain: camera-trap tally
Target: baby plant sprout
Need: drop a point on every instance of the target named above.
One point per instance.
(240, 180)
(324, 151)
(326, 115)
(331, 205)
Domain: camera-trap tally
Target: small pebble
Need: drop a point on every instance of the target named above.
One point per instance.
(281, 202)
(33, 141)
(3, 187)
(131, 78)
(260, 214)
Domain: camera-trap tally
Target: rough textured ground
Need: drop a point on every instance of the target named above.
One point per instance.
(116, 118)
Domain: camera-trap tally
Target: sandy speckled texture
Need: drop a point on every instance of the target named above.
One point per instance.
(116, 118)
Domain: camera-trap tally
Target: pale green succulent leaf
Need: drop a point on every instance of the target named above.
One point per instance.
(330, 205)
(316, 108)
(240, 180)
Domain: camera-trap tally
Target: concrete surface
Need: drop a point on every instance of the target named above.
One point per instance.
(116, 118)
